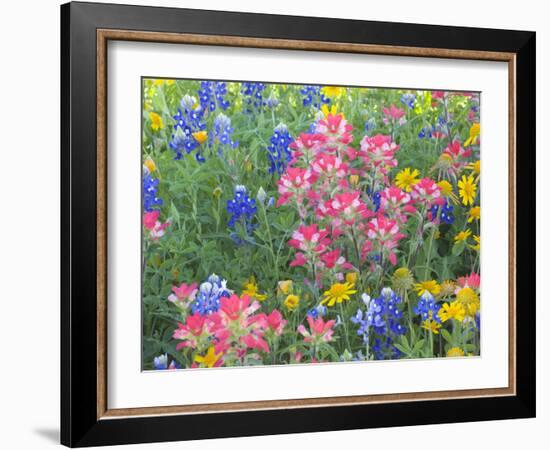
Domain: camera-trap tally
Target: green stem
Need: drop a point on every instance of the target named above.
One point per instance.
(268, 228)
(345, 326)
(429, 255)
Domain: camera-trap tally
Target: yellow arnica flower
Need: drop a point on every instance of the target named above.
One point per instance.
(251, 289)
(284, 286)
(150, 164)
(477, 245)
(160, 82)
(454, 352)
(431, 325)
(446, 188)
(292, 301)
(474, 214)
(430, 286)
(406, 179)
(337, 293)
(156, 121)
(402, 279)
(463, 236)
(475, 167)
(467, 190)
(332, 91)
(200, 136)
(454, 310)
(210, 358)
(353, 179)
(351, 277)
(468, 298)
(474, 134)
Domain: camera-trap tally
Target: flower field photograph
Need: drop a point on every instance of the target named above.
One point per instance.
(304, 224)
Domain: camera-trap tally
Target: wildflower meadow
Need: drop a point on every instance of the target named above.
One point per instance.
(287, 224)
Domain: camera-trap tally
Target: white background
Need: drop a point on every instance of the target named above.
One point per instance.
(130, 388)
(29, 321)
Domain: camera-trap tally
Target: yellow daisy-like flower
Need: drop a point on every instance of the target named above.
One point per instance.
(156, 121)
(468, 298)
(200, 136)
(406, 179)
(467, 190)
(160, 82)
(210, 358)
(474, 214)
(454, 352)
(402, 279)
(463, 236)
(251, 289)
(477, 245)
(446, 188)
(453, 310)
(337, 293)
(332, 91)
(150, 164)
(474, 134)
(292, 301)
(430, 286)
(284, 286)
(431, 325)
(351, 277)
(475, 167)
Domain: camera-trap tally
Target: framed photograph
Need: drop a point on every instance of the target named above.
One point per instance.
(277, 224)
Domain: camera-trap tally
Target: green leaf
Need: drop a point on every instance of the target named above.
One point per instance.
(458, 248)
(446, 335)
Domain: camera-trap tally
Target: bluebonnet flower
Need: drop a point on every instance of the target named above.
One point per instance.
(254, 93)
(408, 100)
(212, 95)
(318, 311)
(209, 296)
(161, 363)
(425, 131)
(278, 151)
(447, 213)
(383, 348)
(151, 200)
(376, 198)
(189, 129)
(222, 133)
(242, 209)
(427, 308)
(383, 318)
(370, 125)
(376, 201)
(272, 101)
(312, 95)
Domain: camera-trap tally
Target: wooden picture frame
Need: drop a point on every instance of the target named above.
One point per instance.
(86, 418)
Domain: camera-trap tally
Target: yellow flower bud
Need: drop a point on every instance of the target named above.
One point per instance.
(284, 286)
(150, 164)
